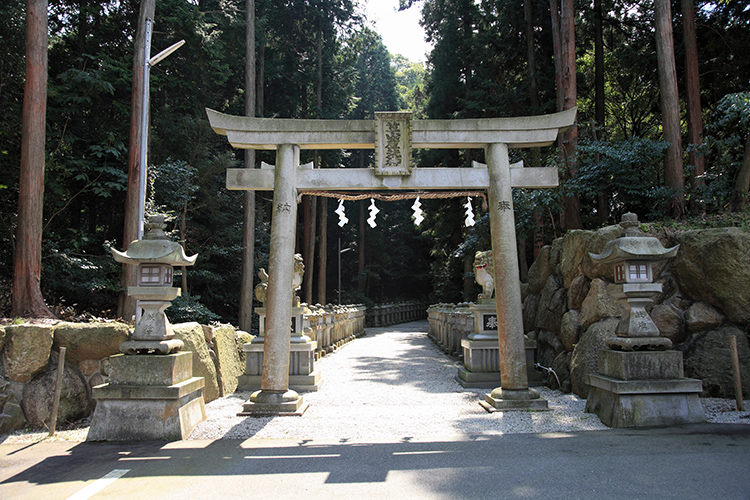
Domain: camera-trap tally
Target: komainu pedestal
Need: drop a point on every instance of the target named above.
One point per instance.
(481, 354)
(149, 398)
(303, 375)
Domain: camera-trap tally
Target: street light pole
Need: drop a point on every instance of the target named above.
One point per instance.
(340, 252)
(148, 61)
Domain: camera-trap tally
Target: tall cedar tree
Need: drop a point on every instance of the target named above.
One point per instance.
(27, 296)
(670, 106)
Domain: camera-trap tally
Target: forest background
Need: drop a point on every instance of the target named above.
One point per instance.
(321, 59)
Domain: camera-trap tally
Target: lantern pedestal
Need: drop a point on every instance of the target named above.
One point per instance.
(643, 389)
(638, 382)
(481, 352)
(148, 397)
(303, 376)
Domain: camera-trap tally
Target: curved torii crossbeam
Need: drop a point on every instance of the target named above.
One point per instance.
(392, 135)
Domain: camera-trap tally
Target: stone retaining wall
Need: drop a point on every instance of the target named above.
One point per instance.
(29, 354)
(705, 299)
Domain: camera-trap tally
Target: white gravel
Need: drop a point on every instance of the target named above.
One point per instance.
(394, 384)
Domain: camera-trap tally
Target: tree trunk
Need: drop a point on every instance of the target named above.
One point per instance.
(361, 281)
(670, 106)
(126, 305)
(27, 300)
(599, 110)
(557, 49)
(248, 235)
(468, 281)
(741, 186)
(323, 251)
(310, 258)
(693, 98)
(528, 12)
(183, 241)
(569, 139)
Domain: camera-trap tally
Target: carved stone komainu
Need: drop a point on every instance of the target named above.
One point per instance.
(299, 273)
(484, 272)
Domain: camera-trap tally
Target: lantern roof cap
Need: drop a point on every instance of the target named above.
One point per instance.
(633, 245)
(154, 248)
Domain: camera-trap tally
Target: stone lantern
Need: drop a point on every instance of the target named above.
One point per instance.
(633, 256)
(155, 255)
(151, 393)
(639, 381)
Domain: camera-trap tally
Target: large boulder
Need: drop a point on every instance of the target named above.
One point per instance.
(713, 265)
(570, 330)
(11, 414)
(561, 368)
(668, 319)
(701, 317)
(572, 254)
(593, 268)
(548, 347)
(203, 366)
(38, 397)
(2, 337)
(90, 340)
(27, 350)
(579, 289)
(227, 347)
(598, 305)
(708, 359)
(551, 306)
(540, 270)
(530, 307)
(586, 354)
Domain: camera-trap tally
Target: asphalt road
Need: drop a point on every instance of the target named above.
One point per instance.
(707, 461)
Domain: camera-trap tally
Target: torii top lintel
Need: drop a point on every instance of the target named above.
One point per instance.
(392, 135)
(267, 133)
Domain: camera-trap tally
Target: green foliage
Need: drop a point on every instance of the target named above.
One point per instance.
(724, 148)
(189, 308)
(628, 172)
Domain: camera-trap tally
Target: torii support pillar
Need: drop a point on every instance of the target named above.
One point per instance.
(274, 397)
(514, 393)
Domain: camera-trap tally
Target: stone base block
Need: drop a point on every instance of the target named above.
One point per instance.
(150, 369)
(274, 404)
(521, 400)
(641, 365)
(299, 383)
(482, 364)
(645, 403)
(147, 413)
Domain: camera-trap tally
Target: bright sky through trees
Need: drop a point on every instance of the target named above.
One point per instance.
(401, 31)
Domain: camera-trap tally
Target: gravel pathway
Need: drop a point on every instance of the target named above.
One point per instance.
(393, 384)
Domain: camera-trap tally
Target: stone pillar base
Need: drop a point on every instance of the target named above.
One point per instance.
(303, 376)
(149, 397)
(298, 383)
(274, 404)
(513, 400)
(482, 364)
(643, 389)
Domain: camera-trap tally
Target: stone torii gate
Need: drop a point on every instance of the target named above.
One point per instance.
(392, 135)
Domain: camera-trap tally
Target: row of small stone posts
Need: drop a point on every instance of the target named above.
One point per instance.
(449, 323)
(393, 314)
(468, 331)
(316, 331)
(333, 326)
